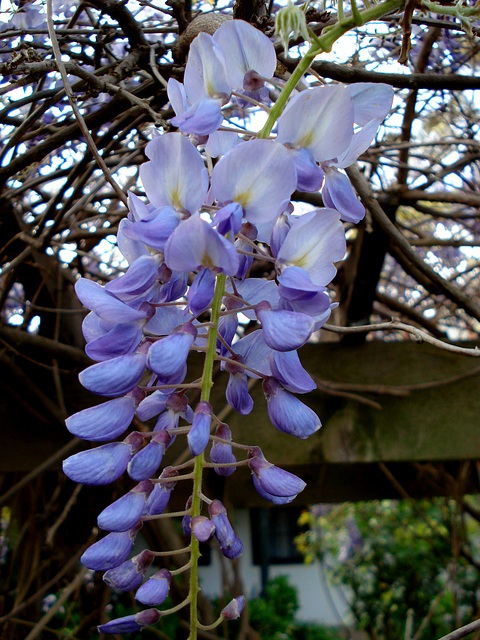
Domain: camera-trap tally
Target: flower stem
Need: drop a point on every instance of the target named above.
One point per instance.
(324, 44)
(207, 383)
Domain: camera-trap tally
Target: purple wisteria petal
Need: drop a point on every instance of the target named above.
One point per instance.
(176, 378)
(370, 100)
(132, 623)
(158, 499)
(124, 513)
(140, 276)
(98, 466)
(186, 526)
(320, 119)
(288, 413)
(165, 319)
(259, 175)
(200, 292)
(105, 305)
(137, 210)
(103, 422)
(195, 244)
(227, 328)
(221, 142)
(317, 305)
(177, 408)
(115, 377)
(228, 219)
(230, 545)
(255, 290)
(268, 496)
(202, 528)
(175, 176)
(177, 96)
(129, 245)
(155, 231)
(360, 143)
(274, 480)
(234, 608)
(155, 590)
(129, 574)
(173, 284)
(146, 462)
(152, 405)
(309, 174)
(233, 549)
(314, 242)
(295, 282)
(205, 72)
(237, 393)
(288, 370)
(245, 262)
(284, 330)
(167, 356)
(109, 552)
(201, 118)
(94, 327)
(221, 452)
(279, 232)
(121, 340)
(255, 353)
(338, 194)
(199, 434)
(245, 49)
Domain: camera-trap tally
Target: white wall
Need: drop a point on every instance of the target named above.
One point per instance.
(313, 596)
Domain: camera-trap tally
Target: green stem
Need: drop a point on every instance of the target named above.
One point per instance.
(356, 13)
(207, 383)
(465, 12)
(324, 44)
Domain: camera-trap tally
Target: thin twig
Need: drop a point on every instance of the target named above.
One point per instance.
(462, 631)
(58, 455)
(73, 102)
(396, 325)
(66, 593)
(53, 529)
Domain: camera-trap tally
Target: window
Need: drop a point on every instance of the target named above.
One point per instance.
(273, 531)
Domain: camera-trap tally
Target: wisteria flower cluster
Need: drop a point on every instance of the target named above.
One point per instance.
(191, 248)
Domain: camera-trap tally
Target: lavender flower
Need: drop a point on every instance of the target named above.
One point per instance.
(234, 608)
(221, 453)
(190, 242)
(155, 590)
(230, 544)
(131, 624)
(126, 512)
(111, 551)
(200, 432)
(129, 574)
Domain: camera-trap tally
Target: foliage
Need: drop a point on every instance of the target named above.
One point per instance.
(396, 560)
(273, 615)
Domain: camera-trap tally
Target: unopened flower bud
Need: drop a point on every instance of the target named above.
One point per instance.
(291, 19)
(129, 574)
(132, 623)
(124, 513)
(200, 431)
(203, 528)
(234, 608)
(155, 590)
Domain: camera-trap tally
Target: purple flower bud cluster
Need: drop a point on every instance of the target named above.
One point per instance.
(190, 248)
